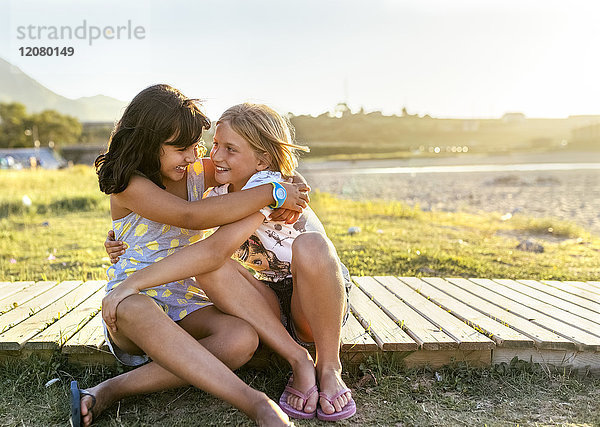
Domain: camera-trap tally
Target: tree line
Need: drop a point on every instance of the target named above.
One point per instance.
(18, 128)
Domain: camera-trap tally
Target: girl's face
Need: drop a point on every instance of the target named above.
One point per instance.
(174, 160)
(235, 161)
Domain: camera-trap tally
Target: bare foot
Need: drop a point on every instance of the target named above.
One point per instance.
(330, 383)
(304, 379)
(269, 413)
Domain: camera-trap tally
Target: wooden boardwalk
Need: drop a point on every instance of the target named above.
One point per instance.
(420, 321)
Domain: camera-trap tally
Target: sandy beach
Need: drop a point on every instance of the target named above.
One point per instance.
(572, 195)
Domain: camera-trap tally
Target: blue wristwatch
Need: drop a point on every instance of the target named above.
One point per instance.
(279, 195)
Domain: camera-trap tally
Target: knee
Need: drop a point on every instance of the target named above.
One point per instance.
(313, 249)
(132, 309)
(243, 342)
(246, 336)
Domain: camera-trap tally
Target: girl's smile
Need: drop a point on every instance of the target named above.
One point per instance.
(174, 160)
(235, 161)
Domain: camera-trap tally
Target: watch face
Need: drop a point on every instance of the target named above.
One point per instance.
(280, 193)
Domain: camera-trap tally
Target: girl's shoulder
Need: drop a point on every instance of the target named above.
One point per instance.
(117, 210)
(262, 177)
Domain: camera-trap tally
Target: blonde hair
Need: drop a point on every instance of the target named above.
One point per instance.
(267, 132)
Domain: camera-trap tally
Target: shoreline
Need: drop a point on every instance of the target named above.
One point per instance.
(571, 195)
(469, 159)
(519, 167)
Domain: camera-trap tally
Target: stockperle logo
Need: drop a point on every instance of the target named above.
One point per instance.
(87, 32)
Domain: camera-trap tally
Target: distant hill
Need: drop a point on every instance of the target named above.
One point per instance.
(373, 135)
(16, 86)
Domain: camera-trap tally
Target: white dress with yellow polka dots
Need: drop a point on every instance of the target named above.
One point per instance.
(148, 242)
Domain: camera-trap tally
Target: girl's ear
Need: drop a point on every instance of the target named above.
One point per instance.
(263, 161)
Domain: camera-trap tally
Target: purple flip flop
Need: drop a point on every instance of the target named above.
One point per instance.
(291, 411)
(346, 412)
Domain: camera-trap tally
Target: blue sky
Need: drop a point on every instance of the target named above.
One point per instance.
(446, 59)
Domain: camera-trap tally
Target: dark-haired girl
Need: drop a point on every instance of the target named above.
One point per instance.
(153, 148)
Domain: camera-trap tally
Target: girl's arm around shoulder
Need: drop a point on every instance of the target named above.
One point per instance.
(148, 200)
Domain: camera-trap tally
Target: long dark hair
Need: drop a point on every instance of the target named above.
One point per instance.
(156, 114)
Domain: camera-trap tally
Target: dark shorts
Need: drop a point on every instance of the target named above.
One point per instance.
(283, 289)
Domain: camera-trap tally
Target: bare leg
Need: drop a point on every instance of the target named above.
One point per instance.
(231, 340)
(233, 290)
(180, 359)
(318, 307)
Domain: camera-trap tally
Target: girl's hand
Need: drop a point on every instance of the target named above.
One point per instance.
(287, 215)
(114, 248)
(297, 196)
(111, 301)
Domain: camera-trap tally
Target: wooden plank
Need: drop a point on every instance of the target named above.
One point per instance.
(581, 339)
(355, 338)
(501, 334)
(94, 358)
(10, 288)
(427, 335)
(88, 339)
(34, 305)
(584, 287)
(60, 331)
(6, 287)
(553, 358)
(387, 334)
(14, 338)
(589, 328)
(594, 283)
(437, 359)
(573, 299)
(563, 294)
(591, 296)
(546, 309)
(467, 337)
(24, 294)
(537, 293)
(542, 337)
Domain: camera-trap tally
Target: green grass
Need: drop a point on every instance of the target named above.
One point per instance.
(518, 393)
(400, 240)
(60, 235)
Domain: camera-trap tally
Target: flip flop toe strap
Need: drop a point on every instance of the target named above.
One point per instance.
(335, 396)
(87, 393)
(304, 397)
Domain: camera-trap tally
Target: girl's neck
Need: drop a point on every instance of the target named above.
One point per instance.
(233, 187)
(178, 188)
